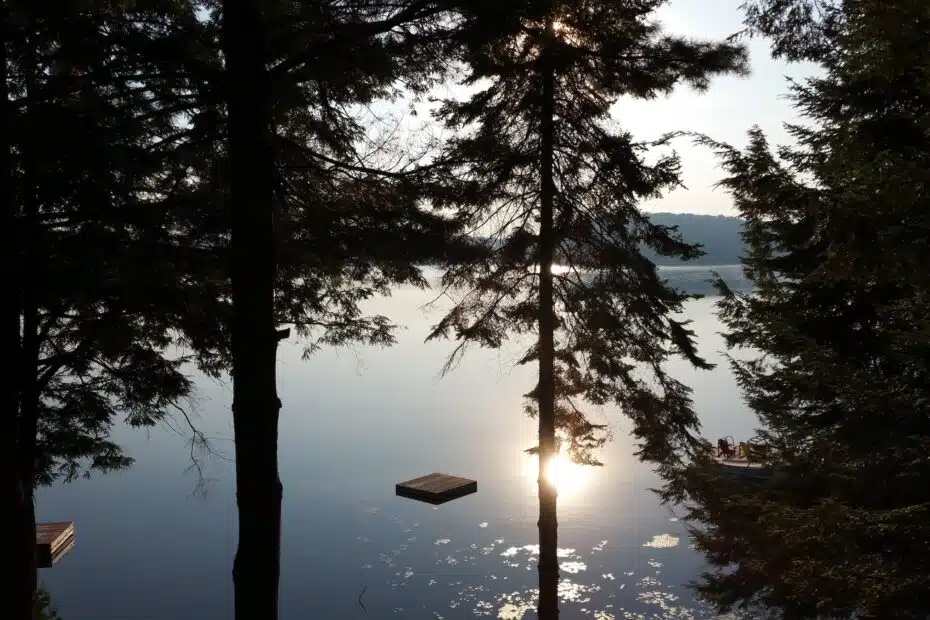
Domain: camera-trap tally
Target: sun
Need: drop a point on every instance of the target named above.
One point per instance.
(566, 32)
(561, 30)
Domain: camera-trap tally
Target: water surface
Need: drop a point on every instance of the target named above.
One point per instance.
(353, 423)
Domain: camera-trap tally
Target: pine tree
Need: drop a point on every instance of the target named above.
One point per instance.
(90, 339)
(798, 30)
(544, 176)
(15, 589)
(131, 247)
(313, 230)
(837, 230)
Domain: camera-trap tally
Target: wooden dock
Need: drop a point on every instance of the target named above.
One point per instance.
(436, 488)
(53, 540)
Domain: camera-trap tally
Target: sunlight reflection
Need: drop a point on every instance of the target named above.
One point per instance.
(663, 541)
(569, 478)
(585, 587)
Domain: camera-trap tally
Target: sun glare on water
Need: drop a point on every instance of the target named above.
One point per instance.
(568, 477)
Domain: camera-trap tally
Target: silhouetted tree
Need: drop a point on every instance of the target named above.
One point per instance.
(315, 227)
(798, 30)
(254, 338)
(15, 589)
(125, 242)
(541, 172)
(838, 238)
(91, 337)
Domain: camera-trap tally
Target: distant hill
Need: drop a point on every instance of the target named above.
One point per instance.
(719, 234)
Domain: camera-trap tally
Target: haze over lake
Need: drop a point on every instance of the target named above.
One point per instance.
(355, 422)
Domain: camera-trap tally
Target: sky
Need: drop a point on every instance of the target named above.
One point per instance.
(725, 112)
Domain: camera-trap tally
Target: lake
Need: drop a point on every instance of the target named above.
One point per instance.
(353, 423)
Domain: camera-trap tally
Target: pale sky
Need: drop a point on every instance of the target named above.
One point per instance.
(725, 112)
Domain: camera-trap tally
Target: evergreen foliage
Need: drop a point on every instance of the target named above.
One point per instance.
(537, 172)
(612, 313)
(837, 234)
(117, 207)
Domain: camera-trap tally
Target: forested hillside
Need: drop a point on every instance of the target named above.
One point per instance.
(719, 234)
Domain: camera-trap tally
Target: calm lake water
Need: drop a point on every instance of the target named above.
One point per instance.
(353, 424)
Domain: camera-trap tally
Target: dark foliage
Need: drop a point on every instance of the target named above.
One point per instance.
(538, 174)
(797, 29)
(116, 206)
(613, 314)
(93, 343)
(838, 237)
(45, 608)
(316, 223)
(83, 173)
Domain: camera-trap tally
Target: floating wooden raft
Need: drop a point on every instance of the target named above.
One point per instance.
(53, 540)
(436, 488)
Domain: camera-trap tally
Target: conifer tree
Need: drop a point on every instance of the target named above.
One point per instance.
(128, 244)
(837, 233)
(314, 228)
(91, 339)
(542, 173)
(15, 589)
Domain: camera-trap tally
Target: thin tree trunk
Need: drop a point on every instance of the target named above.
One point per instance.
(29, 362)
(254, 342)
(548, 495)
(16, 590)
(25, 515)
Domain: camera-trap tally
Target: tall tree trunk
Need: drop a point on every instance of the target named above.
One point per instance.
(29, 361)
(548, 495)
(16, 589)
(25, 515)
(254, 341)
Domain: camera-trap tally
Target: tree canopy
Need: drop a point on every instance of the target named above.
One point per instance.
(837, 234)
(538, 129)
(116, 206)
